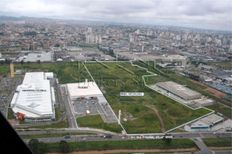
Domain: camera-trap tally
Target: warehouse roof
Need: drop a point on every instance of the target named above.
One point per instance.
(83, 89)
(179, 90)
(36, 56)
(34, 96)
(208, 121)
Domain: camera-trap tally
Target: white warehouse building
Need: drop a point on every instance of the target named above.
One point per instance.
(35, 98)
(83, 89)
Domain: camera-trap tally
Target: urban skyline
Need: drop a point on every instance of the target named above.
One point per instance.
(206, 14)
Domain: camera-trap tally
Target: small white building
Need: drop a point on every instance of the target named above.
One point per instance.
(83, 89)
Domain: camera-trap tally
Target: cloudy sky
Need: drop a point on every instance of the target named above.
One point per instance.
(213, 14)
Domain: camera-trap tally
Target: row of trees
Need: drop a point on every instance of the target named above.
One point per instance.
(38, 147)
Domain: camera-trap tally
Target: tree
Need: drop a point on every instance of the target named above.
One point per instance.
(34, 145)
(64, 147)
(21, 62)
(167, 140)
(37, 147)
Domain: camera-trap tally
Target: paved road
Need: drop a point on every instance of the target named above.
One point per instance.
(100, 137)
(69, 109)
(62, 131)
(201, 145)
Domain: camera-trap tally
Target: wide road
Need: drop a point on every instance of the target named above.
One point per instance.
(69, 109)
(102, 137)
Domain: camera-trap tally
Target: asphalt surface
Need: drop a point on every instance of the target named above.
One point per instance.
(69, 109)
(100, 137)
(201, 145)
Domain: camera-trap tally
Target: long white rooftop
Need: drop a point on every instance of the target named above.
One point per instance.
(34, 97)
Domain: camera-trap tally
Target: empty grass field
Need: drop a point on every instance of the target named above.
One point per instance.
(95, 121)
(138, 113)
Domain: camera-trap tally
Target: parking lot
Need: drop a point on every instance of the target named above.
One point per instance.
(7, 88)
(84, 106)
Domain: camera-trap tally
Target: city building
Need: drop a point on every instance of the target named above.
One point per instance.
(179, 90)
(34, 99)
(171, 60)
(40, 56)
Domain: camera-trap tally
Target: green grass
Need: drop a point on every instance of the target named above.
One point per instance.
(145, 120)
(142, 116)
(222, 109)
(10, 114)
(61, 124)
(66, 72)
(154, 79)
(51, 135)
(223, 65)
(95, 121)
(129, 144)
(4, 69)
(58, 113)
(218, 142)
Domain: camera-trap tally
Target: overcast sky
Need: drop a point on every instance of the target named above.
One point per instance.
(213, 14)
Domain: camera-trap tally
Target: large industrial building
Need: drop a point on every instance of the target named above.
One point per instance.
(34, 99)
(171, 60)
(179, 90)
(207, 122)
(36, 56)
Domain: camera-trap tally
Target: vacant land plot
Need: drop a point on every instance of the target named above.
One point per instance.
(95, 121)
(66, 72)
(226, 111)
(218, 142)
(136, 116)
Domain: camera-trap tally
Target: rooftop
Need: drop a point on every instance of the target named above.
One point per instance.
(207, 121)
(36, 56)
(34, 96)
(83, 89)
(179, 90)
